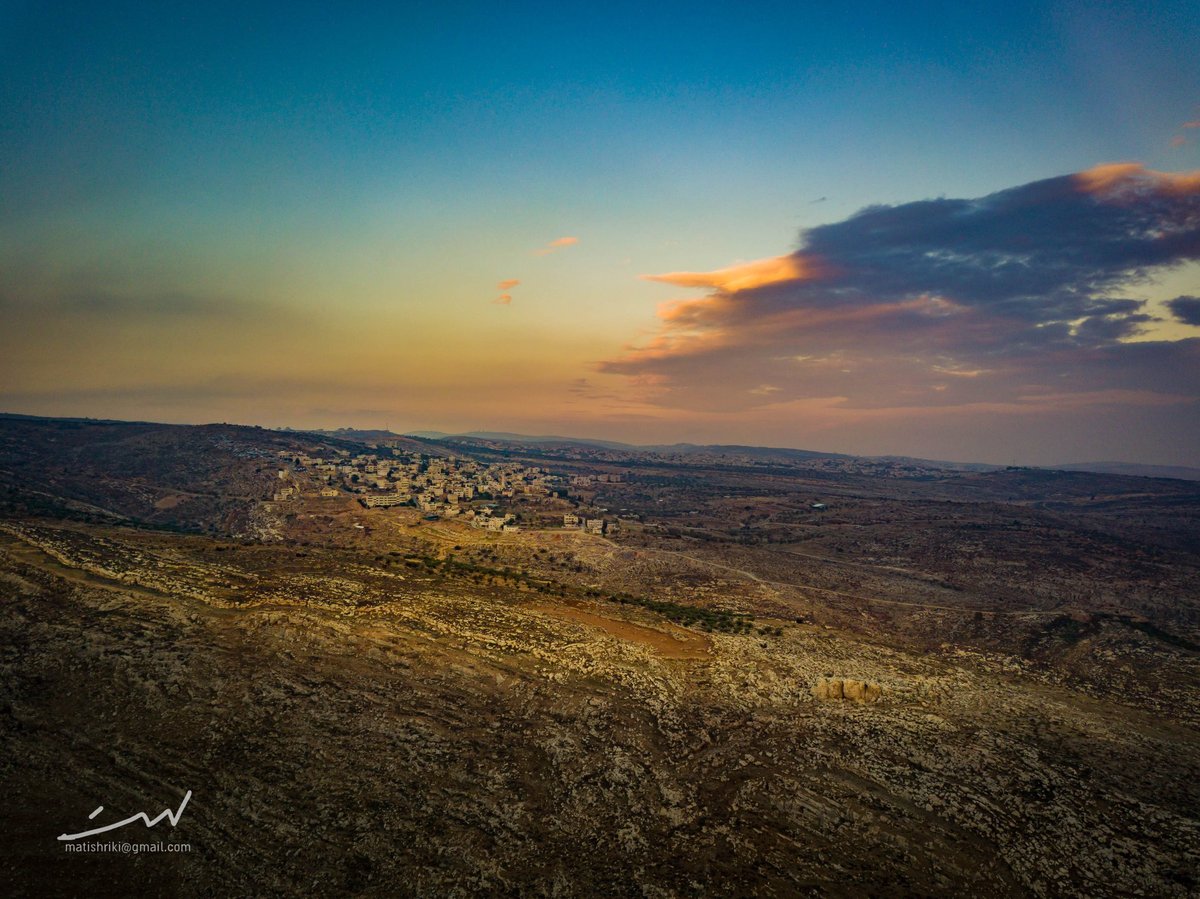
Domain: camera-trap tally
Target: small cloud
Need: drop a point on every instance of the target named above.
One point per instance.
(507, 284)
(764, 390)
(818, 200)
(503, 300)
(1178, 140)
(1195, 124)
(1186, 309)
(959, 372)
(557, 244)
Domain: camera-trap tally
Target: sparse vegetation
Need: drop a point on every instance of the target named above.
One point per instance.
(936, 663)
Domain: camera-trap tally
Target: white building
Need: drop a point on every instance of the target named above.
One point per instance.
(377, 500)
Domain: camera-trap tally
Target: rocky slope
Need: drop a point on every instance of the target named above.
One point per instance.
(373, 732)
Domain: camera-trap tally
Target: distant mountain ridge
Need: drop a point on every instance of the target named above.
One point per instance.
(1134, 469)
(527, 438)
(371, 435)
(762, 453)
(1131, 469)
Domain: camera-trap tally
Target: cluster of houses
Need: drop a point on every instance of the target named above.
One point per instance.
(590, 525)
(428, 481)
(441, 487)
(590, 480)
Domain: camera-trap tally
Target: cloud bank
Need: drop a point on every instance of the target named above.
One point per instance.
(1025, 298)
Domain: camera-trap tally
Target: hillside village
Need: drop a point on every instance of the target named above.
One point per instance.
(440, 486)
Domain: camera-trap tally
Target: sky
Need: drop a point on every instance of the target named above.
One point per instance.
(947, 230)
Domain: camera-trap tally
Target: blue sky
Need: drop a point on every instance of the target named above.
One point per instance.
(342, 188)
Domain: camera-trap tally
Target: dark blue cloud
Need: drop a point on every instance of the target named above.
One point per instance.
(1028, 291)
(1186, 309)
(1045, 251)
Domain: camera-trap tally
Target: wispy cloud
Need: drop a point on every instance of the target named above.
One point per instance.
(1180, 140)
(555, 245)
(504, 286)
(743, 276)
(1011, 298)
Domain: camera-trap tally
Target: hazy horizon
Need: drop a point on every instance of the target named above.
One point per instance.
(593, 438)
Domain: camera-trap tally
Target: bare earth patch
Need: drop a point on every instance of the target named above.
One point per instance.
(677, 644)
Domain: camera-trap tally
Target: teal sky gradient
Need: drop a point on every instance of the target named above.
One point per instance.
(342, 187)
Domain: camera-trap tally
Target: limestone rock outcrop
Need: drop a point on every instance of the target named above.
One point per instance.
(838, 688)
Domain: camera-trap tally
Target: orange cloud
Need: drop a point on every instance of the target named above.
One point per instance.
(1195, 124)
(1123, 177)
(693, 328)
(503, 300)
(557, 244)
(745, 276)
(507, 284)
(1178, 140)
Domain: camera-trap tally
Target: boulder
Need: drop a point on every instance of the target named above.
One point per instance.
(837, 688)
